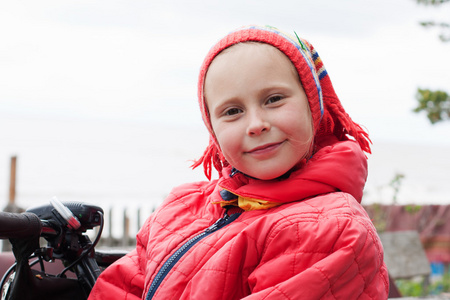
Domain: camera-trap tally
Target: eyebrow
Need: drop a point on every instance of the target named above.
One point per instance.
(224, 104)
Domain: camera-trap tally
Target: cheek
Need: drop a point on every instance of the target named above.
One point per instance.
(224, 135)
(299, 128)
(227, 140)
(295, 122)
(229, 143)
(301, 117)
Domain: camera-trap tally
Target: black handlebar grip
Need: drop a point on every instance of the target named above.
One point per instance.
(16, 226)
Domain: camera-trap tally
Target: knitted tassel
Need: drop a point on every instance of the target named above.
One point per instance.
(211, 157)
(206, 159)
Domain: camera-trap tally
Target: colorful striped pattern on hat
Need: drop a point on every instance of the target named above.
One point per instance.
(311, 57)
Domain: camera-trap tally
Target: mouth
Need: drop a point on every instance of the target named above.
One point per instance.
(264, 148)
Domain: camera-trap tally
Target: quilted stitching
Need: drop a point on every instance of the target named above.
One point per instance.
(243, 257)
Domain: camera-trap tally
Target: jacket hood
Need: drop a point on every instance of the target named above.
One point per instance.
(336, 166)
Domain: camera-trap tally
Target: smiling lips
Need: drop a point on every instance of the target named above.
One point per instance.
(264, 149)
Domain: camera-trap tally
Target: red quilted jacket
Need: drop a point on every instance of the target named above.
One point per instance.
(319, 244)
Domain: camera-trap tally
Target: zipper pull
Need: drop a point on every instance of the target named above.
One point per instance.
(234, 171)
(218, 224)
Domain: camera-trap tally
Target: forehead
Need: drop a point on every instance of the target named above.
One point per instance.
(236, 54)
(247, 69)
(250, 47)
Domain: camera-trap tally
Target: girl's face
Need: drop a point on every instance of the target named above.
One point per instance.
(259, 111)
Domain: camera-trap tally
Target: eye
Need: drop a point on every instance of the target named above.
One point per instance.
(274, 99)
(232, 111)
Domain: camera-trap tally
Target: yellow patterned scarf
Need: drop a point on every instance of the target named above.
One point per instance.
(247, 204)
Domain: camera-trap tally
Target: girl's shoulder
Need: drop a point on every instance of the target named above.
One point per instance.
(322, 211)
(190, 189)
(323, 206)
(192, 197)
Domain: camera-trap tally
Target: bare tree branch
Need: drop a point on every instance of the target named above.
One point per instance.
(432, 2)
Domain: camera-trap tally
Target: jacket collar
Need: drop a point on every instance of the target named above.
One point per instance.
(335, 166)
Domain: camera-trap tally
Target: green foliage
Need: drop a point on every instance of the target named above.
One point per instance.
(395, 184)
(378, 215)
(418, 288)
(445, 27)
(412, 209)
(432, 2)
(410, 288)
(435, 103)
(441, 286)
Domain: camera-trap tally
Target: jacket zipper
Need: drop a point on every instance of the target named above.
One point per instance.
(174, 258)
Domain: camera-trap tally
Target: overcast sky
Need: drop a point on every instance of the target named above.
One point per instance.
(139, 60)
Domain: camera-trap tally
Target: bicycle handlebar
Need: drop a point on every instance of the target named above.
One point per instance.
(19, 225)
(63, 226)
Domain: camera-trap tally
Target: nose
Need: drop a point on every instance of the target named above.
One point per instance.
(257, 124)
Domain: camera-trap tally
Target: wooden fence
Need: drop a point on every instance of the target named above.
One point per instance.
(122, 225)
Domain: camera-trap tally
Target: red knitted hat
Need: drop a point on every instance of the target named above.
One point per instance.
(329, 117)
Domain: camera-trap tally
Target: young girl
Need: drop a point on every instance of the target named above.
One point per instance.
(284, 219)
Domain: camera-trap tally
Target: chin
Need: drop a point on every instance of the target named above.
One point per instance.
(281, 174)
(270, 176)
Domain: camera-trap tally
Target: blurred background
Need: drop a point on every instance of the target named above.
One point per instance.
(98, 104)
(98, 98)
